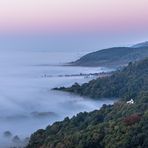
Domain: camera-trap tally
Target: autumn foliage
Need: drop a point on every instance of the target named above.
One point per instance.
(132, 119)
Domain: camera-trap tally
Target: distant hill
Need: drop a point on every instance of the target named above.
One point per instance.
(139, 45)
(114, 57)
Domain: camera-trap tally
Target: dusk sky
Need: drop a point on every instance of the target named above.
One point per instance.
(101, 23)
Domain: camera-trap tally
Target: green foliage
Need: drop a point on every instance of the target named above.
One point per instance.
(113, 126)
(120, 125)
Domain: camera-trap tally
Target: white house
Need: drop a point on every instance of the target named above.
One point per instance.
(130, 102)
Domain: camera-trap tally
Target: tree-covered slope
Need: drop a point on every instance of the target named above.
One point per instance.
(125, 83)
(113, 126)
(120, 125)
(114, 57)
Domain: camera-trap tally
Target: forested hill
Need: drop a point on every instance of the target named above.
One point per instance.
(114, 126)
(126, 83)
(113, 57)
(121, 125)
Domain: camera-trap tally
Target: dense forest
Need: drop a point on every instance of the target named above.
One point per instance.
(113, 57)
(120, 125)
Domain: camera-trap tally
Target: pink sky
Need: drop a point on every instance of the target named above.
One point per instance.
(73, 15)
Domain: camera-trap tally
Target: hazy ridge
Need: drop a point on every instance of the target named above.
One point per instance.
(114, 57)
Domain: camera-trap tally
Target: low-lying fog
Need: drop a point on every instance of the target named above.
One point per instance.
(26, 101)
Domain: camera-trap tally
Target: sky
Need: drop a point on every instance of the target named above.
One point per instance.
(87, 23)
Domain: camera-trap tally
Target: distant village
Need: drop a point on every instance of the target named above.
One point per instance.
(89, 75)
